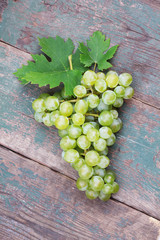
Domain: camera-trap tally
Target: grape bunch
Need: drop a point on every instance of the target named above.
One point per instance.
(87, 124)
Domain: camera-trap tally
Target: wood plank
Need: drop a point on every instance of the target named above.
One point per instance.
(134, 157)
(38, 203)
(134, 25)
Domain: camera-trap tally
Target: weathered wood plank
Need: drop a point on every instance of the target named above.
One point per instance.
(135, 156)
(134, 25)
(38, 203)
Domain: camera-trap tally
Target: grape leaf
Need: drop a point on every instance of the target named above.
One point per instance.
(96, 51)
(44, 72)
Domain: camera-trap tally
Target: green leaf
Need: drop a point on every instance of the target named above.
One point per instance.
(43, 72)
(95, 51)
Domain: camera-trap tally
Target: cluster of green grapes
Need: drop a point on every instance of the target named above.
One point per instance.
(87, 124)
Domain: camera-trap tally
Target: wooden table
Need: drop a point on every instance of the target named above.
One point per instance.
(38, 196)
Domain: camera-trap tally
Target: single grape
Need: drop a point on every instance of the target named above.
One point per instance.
(43, 95)
(61, 122)
(109, 179)
(115, 187)
(89, 118)
(111, 72)
(54, 115)
(104, 162)
(83, 142)
(107, 188)
(51, 103)
(119, 91)
(125, 79)
(104, 197)
(85, 171)
(114, 113)
(104, 152)
(92, 158)
(81, 106)
(105, 118)
(100, 85)
(93, 134)
(38, 116)
(112, 80)
(66, 109)
(102, 106)
(118, 103)
(111, 172)
(99, 171)
(100, 145)
(90, 194)
(47, 120)
(67, 143)
(38, 105)
(74, 131)
(110, 141)
(105, 132)
(86, 127)
(77, 165)
(116, 125)
(101, 75)
(63, 133)
(95, 125)
(80, 91)
(93, 100)
(129, 92)
(78, 119)
(82, 184)
(71, 156)
(89, 78)
(96, 183)
(109, 97)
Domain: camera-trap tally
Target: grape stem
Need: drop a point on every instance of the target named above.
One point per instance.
(94, 67)
(91, 89)
(70, 62)
(92, 114)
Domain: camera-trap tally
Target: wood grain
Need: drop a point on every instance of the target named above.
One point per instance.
(135, 156)
(134, 25)
(38, 203)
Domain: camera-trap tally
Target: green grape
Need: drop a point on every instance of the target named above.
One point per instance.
(58, 95)
(100, 85)
(104, 197)
(67, 143)
(96, 183)
(115, 187)
(86, 127)
(120, 121)
(104, 162)
(82, 184)
(116, 125)
(80, 91)
(109, 97)
(77, 165)
(105, 118)
(78, 119)
(107, 188)
(109, 179)
(74, 131)
(89, 118)
(64, 96)
(92, 158)
(111, 72)
(47, 120)
(111, 172)
(125, 79)
(81, 106)
(112, 80)
(89, 78)
(99, 171)
(90, 194)
(63, 133)
(114, 113)
(66, 109)
(85, 172)
(43, 95)
(93, 134)
(110, 141)
(102, 106)
(71, 156)
(105, 132)
(51, 103)
(54, 115)
(129, 92)
(119, 91)
(38, 116)
(101, 75)
(118, 103)
(95, 125)
(100, 145)
(38, 105)
(83, 142)
(104, 152)
(61, 122)
(93, 100)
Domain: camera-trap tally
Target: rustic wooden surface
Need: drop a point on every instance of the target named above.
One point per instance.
(35, 204)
